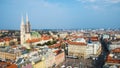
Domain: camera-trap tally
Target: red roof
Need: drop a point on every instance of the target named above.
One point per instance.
(111, 60)
(77, 36)
(57, 51)
(12, 66)
(94, 38)
(9, 65)
(1, 40)
(45, 37)
(33, 40)
(7, 39)
(14, 46)
(116, 50)
(55, 45)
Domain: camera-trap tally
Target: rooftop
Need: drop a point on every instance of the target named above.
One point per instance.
(7, 65)
(77, 43)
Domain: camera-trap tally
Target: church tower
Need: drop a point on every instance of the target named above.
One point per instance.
(25, 30)
(28, 29)
(22, 31)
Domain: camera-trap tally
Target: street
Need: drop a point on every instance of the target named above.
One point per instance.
(76, 63)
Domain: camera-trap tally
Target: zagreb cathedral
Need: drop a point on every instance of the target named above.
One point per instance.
(25, 30)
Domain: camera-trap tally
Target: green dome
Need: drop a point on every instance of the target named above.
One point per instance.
(35, 34)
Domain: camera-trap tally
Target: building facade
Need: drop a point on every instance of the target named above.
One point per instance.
(76, 49)
(10, 56)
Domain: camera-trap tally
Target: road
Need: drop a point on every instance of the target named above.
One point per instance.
(78, 63)
(102, 57)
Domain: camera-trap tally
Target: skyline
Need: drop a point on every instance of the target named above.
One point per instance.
(63, 14)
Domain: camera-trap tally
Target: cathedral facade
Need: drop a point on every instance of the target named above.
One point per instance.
(25, 30)
(26, 33)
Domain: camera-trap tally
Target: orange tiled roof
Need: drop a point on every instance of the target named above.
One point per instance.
(116, 50)
(1, 40)
(12, 66)
(57, 51)
(14, 46)
(7, 39)
(55, 45)
(33, 40)
(111, 60)
(94, 38)
(45, 37)
(77, 36)
(9, 65)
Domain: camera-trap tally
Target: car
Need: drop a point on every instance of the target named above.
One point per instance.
(69, 56)
(63, 66)
(72, 57)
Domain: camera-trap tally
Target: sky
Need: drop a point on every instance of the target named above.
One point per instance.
(60, 14)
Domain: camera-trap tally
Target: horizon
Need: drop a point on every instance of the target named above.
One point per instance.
(63, 14)
(67, 29)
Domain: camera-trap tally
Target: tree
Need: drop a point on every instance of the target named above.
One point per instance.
(39, 44)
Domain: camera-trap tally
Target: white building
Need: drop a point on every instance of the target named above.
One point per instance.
(93, 49)
(83, 49)
(114, 45)
(77, 47)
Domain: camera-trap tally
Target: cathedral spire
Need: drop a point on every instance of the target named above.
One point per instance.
(22, 30)
(27, 24)
(22, 21)
(27, 18)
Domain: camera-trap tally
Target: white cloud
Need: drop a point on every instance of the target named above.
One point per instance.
(113, 1)
(94, 7)
(99, 4)
(84, 1)
(100, 1)
(92, 0)
(47, 4)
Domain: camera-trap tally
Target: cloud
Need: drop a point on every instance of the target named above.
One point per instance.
(84, 1)
(102, 1)
(92, 0)
(48, 4)
(94, 7)
(99, 4)
(113, 1)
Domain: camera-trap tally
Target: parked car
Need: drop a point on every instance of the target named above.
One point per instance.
(72, 57)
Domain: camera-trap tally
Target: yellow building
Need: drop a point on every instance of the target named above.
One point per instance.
(99, 51)
(77, 49)
(11, 56)
(39, 64)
